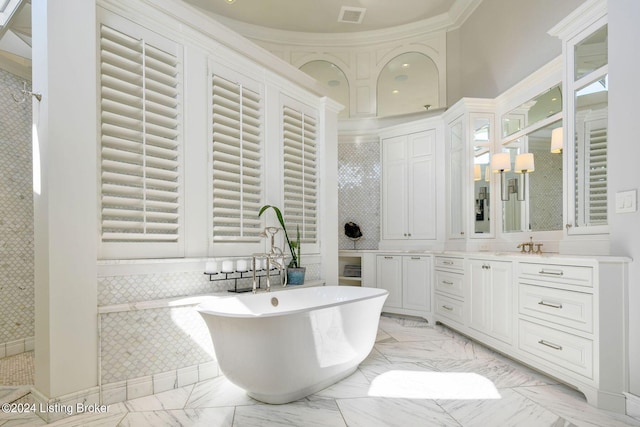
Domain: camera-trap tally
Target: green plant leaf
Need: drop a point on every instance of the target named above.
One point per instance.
(294, 259)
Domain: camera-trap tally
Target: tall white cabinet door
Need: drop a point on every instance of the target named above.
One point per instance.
(416, 286)
(491, 292)
(394, 188)
(478, 296)
(421, 209)
(500, 308)
(389, 277)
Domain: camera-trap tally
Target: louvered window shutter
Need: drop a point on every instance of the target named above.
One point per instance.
(237, 161)
(597, 173)
(140, 140)
(300, 174)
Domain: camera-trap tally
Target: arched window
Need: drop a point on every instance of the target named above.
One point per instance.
(333, 79)
(408, 84)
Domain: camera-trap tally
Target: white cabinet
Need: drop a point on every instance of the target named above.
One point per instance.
(408, 280)
(491, 298)
(408, 186)
(449, 288)
(562, 315)
(469, 140)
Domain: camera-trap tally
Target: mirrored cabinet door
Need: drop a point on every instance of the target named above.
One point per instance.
(481, 142)
(456, 179)
(588, 82)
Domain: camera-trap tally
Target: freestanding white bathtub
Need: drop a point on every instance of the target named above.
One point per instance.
(282, 346)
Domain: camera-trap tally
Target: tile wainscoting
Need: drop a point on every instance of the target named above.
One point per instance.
(151, 337)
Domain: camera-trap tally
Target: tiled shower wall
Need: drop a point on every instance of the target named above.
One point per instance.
(16, 215)
(359, 175)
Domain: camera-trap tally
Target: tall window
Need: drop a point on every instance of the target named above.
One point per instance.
(300, 172)
(140, 139)
(237, 161)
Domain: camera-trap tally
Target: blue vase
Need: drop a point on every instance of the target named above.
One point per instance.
(295, 276)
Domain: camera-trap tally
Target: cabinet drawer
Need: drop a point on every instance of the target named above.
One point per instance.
(450, 308)
(449, 263)
(567, 308)
(560, 348)
(450, 283)
(571, 274)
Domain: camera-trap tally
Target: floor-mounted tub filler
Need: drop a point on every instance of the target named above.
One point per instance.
(282, 346)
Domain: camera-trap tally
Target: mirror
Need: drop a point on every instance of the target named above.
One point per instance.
(533, 111)
(481, 127)
(591, 53)
(588, 203)
(541, 209)
(456, 192)
(591, 140)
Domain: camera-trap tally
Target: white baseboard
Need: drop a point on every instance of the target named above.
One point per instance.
(633, 405)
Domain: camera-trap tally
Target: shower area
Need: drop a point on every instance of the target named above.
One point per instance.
(17, 306)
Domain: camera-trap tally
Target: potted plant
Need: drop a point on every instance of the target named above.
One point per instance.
(295, 272)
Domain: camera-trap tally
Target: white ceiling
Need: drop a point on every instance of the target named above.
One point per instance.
(321, 16)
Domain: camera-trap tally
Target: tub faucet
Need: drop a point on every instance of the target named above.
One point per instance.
(274, 258)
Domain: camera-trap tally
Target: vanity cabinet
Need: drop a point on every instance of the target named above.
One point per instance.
(571, 325)
(491, 298)
(449, 286)
(409, 186)
(408, 280)
(563, 315)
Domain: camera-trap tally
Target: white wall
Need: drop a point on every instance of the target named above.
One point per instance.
(501, 43)
(624, 153)
(65, 200)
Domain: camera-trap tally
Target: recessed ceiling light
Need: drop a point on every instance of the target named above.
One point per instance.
(230, 1)
(405, 65)
(395, 91)
(554, 99)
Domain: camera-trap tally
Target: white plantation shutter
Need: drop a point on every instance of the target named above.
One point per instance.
(237, 161)
(592, 204)
(300, 174)
(140, 140)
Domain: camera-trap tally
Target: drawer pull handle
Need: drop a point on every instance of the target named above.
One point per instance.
(415, 257)
(551, 272)
(446, 307)
(550, 304)
(548, 344)
(446, 282)
(388, 257)
(447, 262)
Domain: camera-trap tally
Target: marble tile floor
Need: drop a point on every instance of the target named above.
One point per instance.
(416, 376)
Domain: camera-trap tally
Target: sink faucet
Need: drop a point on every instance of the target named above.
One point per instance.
(527, 247)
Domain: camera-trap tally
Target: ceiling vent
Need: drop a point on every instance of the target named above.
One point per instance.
(351, 15)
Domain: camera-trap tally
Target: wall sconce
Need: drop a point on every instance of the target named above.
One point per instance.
(524, 165)
(477, 173)
(501, 163)
(487, 174)
(556, 140)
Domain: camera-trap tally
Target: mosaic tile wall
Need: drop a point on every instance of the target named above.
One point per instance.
(545, 205)
(139, 343)
(16, 214)
(359, 174)
(146, 342)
